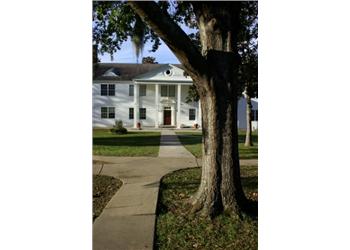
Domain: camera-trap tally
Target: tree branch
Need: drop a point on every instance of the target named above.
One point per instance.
(176, 39)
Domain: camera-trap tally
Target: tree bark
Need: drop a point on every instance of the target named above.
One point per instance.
(220, 188)
(248, 135)
(215, 77)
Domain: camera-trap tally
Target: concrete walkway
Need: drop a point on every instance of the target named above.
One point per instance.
(128, 221)
(170, 146)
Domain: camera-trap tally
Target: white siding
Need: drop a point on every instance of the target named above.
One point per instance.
(185, 108)
(241, 113)
(121, 101)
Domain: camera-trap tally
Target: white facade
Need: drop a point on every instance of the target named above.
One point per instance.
(162, 109)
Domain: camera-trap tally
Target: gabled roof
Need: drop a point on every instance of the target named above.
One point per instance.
(124, 71)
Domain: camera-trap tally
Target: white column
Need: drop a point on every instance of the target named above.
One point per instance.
(173, 115)
(161, 115)
(178, 120)
(136, 105)
(156, 121)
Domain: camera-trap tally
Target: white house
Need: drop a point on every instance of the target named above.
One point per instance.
(241, 114)
(151, 95)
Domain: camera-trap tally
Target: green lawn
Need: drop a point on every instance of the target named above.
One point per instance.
(193, 141)
(134, 143)
(176, 229)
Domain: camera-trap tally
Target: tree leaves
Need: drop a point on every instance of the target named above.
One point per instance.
(114, 22)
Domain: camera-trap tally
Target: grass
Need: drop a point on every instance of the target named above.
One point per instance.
(176, 229)
(193, 141)
(134, 143)
(104, 187)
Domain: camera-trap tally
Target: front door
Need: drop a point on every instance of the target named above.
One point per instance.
(167, 117)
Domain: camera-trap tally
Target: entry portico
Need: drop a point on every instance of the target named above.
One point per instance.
(167, 81)
(167, 107)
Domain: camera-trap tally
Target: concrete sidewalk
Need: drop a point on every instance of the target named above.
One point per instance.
(170, 146)
(128, 221)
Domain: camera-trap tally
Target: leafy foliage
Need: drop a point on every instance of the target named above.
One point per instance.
(118, 128)
(192, 95)
(248, 49)
(149, 59)
(114, 22)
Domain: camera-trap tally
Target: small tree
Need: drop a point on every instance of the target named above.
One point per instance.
(118, 128)
(248, 69)
(149, 59)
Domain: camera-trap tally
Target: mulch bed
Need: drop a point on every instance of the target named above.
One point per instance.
(104, 187)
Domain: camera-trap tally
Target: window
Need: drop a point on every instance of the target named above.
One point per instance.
(104, 89)
(107, 112)
(171, 91)
(131, 90)
(107, 89)
(131, 113)
(192, 115)
(167, 91)
(104, 113)
(164, 90)
(254, 115)
(143, 90)
(142, 114)
(111, 90)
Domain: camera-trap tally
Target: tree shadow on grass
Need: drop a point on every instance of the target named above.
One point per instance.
(241, 138)
(195, 139)
(127, 141)
(190, 185)
(251, 209)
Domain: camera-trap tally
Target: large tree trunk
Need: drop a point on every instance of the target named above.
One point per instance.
(220, 188)
(248, 135)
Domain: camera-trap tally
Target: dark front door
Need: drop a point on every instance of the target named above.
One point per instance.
(167, 117)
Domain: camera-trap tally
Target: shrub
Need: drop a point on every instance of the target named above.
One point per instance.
(118, 128)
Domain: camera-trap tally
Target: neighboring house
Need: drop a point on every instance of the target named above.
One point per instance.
(241, 113)
(152, 95)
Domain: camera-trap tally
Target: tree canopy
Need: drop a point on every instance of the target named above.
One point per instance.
(115, 22)
(149, 59)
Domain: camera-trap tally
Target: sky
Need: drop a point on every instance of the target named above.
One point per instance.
(127, 52)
